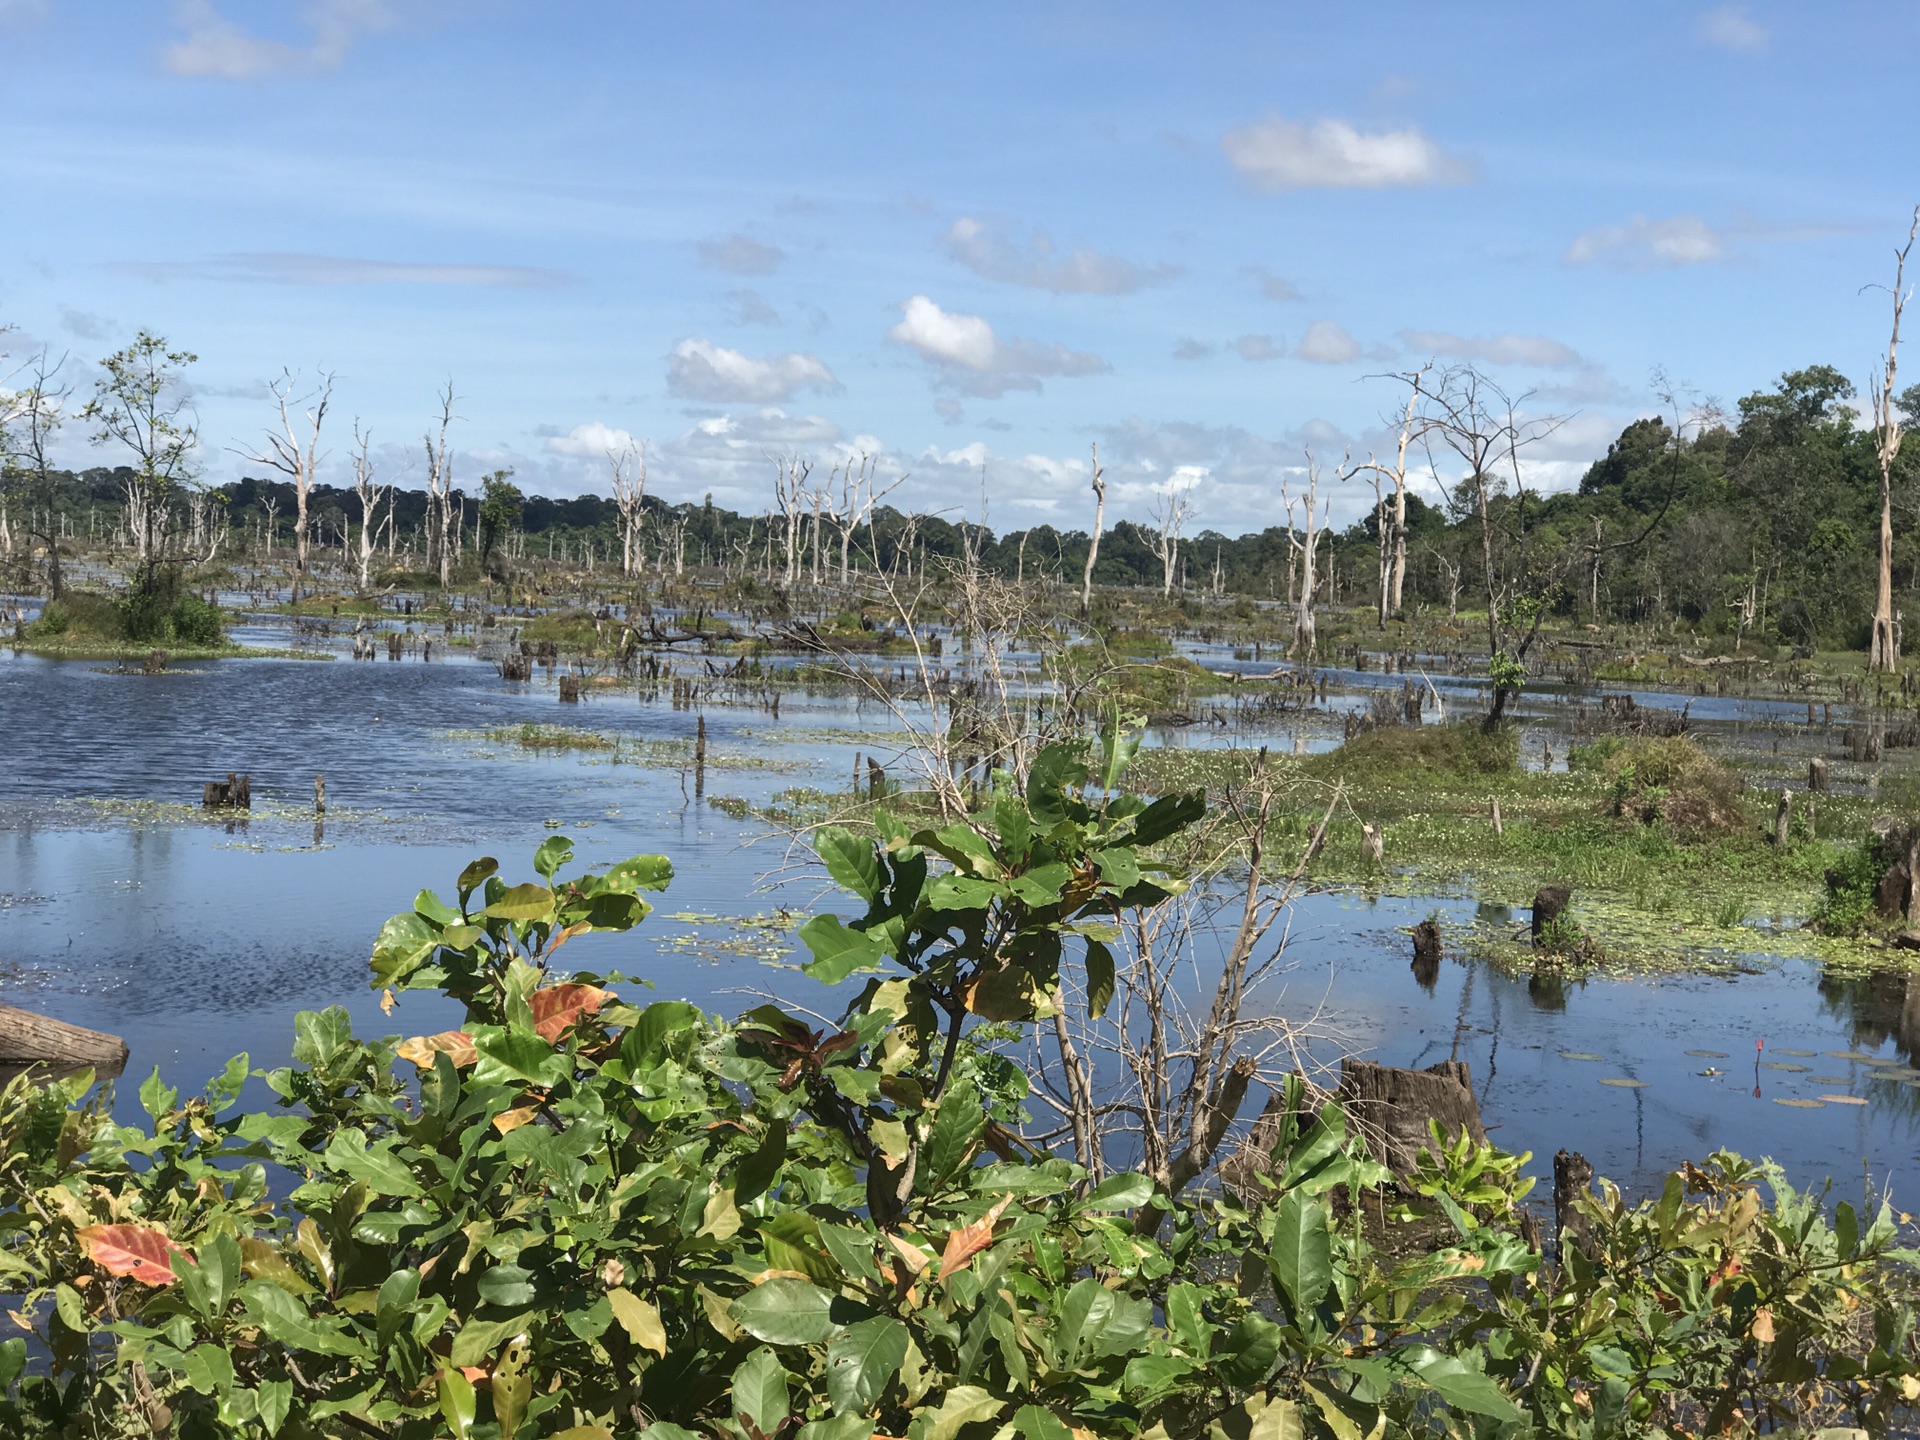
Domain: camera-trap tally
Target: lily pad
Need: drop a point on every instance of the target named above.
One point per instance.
(1844, 1099)
(1851, 1055)
(1624, 1082)
(1580, 1055)
(1800, 1102)
(1799, 1054)
(1828, 1080)
(1713, 1054)
(1786, 1065)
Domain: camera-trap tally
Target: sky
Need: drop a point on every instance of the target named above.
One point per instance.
(973, 241)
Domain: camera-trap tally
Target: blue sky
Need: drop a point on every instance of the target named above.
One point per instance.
(983, 235)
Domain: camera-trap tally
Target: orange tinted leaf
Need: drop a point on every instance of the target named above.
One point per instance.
(556, 1008)
(579, 927)
(508, 1120)
(137, 1251)
(968, 1241)
(457, 1044)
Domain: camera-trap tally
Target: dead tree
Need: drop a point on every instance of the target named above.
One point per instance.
(1391, 510)
(791, 495)
(290, 454)
(1884, 650)
(628, 476)
(1307, 550)
(1171, 511)
(367, 492)
(855, 507)
(1093, 542)
(440, 493)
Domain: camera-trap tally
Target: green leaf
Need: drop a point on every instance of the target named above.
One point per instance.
(1055, 769)
(519, 1057)
(521, 903)
(849, 859)
(508, 1286)
(1119, 867)
(322, 1036)
(476, 874)
(379, 1168)
(960, 1406)
(554, 851)
(512, 1385)
(1302, 1253)
(963, 892)
(457, 1402)
(432, 908)
(1846, 1229)
(403, 945)
(13, 1359)
(783, 1311)
(759, 1166)
(1042, 885)
(1246, 1352)
(641, 872)
(1458, 1383)
(209, 1369)
(760, 1394)
(479, 1338)
(1035, 1422)
(639, 1318)
(1120, 1192)
(285, 1319)
(837, 951)
(840, 1427)
(1099, 978)
(1169, 815)
(861, 1360)
(956, 1129)
(274, 1402)
(646, 1043)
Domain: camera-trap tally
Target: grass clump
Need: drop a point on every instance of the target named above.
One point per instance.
(1671, 780)
(1466, 749)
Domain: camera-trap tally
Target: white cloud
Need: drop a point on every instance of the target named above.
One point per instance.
(592, 441)
(216, 48)
(290, 269)
(85, 324)
(702, 370)
(1257, 347)
(741, 255)
(1326, 343)
(1276, 287)
(1534, 350)
(1643, 244)
(1731, 28)
(971, 358)
(1036, 264)
(1192, 349)
(749, 307)
(1277, 154)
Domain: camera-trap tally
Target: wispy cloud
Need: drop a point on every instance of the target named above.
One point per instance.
(749, 307)
(1275, 287)
(1257, 347)
(592, 441)
(1731, 28)
(1278, 154)
(1192, 349)
(1326, 343)
(20, 12)
(1535, 350)
(1643, 244)
(286, 268)
(213, 47)
(1039, 265)
(741, 255)
(702, 370)
(969, 357)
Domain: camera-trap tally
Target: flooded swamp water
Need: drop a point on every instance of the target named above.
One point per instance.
(126, 908)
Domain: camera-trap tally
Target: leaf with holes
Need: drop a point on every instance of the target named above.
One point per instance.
(139, 1252)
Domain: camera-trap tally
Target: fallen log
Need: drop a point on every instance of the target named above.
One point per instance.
(27, 1039)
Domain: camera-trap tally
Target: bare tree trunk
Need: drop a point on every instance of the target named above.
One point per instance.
(1884, 653)
(1093, 544)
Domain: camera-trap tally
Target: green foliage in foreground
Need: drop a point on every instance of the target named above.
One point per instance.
(575, 1217)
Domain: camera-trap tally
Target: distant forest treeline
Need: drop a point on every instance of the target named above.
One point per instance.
(1764, 522)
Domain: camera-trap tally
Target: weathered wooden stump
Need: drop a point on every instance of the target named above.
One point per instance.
(1572, 1176)
(319, 794)
(1427, 952)
(1494, 808)
(393, 645)
(570, 688)
(516, 667)
(1782, 815)
(233, 793)
(27, 1039)
(1818, 779)
(1550, 902)
(1391, 1107)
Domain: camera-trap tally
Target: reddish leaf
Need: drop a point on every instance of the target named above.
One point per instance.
(137, 1251)
(457, 1044)
(556, 1008)
(967, 1242)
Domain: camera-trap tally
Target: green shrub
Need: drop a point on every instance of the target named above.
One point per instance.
(1463, 749)
(193, 621)
(1675, 781)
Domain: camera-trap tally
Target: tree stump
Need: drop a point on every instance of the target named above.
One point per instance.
(393, 645)
(516, 667)
(1550, 902)
(1494, 806)
(1572, 1176)
(155, 663)
(233, 793)
(1427, 952)
(30, 1039)
(876, 779)
(319, 794)
(1818, 779)
(570, 689)
(1391, 1107)
(1372, 847)
(1782, 813)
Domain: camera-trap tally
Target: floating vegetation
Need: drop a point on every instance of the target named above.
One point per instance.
(615, 749)
(1722, 1055)
(1787, 1065)
(1845, 1100)
(1623, 1082)
(1800, 1102)
(1850, 1055)
(1828, 1080)
(766, 938)
(1797, 1054)
(1580, 1055)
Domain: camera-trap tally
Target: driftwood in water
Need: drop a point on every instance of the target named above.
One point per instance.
(233, 793)
(37, 1040)
(1391, 1107)
(1549, 904)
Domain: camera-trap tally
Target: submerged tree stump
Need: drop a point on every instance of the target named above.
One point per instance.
(570, 688)
(1550, 902)
(1426, 953)
(155, 663)
(233, 793)
(516, 667)
(30, 1039)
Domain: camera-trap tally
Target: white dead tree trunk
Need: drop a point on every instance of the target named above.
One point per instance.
(294, 449)
(628, 476)
(368, 493)
(1307, 549)
(858, 499)
(1093, 542)
(1171, 511)
(1884, 651)
(440, 492)
(790, 494)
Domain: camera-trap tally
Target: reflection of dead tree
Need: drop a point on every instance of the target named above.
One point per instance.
(1093, 542)
(627, 475)
(1171, 512)
(1186, 1041)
